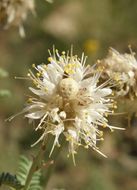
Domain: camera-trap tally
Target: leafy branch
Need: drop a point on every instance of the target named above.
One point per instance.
(10, 180)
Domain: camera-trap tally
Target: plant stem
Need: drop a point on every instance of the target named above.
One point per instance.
(54, 157)
(34, 167)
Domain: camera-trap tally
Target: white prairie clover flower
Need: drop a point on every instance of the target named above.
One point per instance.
(69, 101)
(14, 13)
(121, 68)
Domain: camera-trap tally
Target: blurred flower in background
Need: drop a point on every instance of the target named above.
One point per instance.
(14, 13)
(63, 22)
(121, 68)
(91, 46)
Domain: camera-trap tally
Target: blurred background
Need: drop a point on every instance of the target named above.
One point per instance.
(90, 26)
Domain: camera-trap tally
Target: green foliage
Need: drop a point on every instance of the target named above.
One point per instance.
(4, 93)
(10, 180)
(3, 73)
(49, 1)
(24, 167)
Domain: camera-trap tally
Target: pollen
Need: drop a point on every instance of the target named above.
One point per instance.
(38, 74)
(29, 100)
(70, 68)
(46, 89)
(33, 65)
(50, 59)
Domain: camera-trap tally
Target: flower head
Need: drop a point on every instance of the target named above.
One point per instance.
(121, 69)
(68, 101)
(14, 13)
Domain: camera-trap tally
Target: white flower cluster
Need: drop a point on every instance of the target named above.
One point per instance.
(14, 13)
(121, 69)
(68, 101)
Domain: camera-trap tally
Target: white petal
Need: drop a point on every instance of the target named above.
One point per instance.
(35, 115)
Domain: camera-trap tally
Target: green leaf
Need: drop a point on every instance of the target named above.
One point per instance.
(24, 167)
(10, 180)
(3, 73)
(4, 93)
(49, 1)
